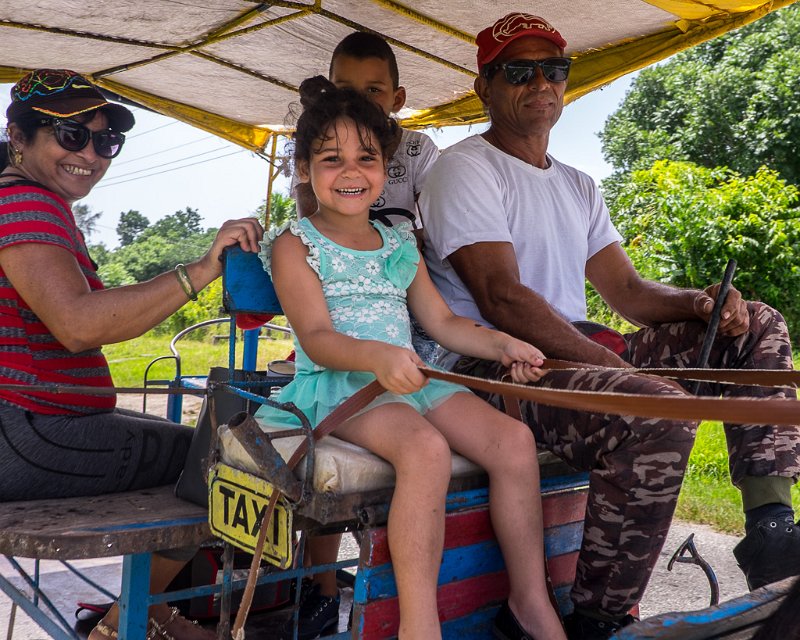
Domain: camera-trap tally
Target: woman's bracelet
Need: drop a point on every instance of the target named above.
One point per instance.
(185, 282)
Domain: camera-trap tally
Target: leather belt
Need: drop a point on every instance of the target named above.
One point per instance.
(777, 411)
(749, 377)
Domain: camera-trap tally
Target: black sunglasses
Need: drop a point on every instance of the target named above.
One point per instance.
(519, 72)
(73, 136)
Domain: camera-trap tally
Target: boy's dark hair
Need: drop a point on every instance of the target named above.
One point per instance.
(323, 104)
(361, 45)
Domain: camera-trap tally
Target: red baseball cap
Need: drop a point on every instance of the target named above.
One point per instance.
(492, 40)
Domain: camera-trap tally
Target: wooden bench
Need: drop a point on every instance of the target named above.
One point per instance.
(132, 524)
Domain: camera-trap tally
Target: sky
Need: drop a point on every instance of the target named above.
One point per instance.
(167, 166)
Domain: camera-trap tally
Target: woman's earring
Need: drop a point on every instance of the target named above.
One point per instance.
(16, 156)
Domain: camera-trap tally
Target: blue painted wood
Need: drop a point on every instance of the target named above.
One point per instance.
(250, 350)
(134, 599)
(375, 583)
(247, 288)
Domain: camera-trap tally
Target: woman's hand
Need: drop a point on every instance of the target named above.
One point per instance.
(245, 232)
(522, 359)
(397, 369)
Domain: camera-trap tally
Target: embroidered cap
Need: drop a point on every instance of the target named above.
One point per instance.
(492, 40)
(63, 94)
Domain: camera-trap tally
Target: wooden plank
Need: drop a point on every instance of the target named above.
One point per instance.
(471, 561)
(731, 620)
(474, 526)
(456, 602)
(101, 526)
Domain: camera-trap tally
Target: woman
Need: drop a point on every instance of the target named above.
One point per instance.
(55, 316)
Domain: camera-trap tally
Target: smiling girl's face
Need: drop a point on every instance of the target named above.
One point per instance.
(346, 170)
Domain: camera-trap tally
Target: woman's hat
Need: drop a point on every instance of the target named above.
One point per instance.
(62, 93)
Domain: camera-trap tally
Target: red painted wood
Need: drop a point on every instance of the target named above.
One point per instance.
(457, 599)
(562, 569)
(473, 526)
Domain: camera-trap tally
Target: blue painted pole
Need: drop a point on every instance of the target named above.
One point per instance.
(134, 599)
(250, 350)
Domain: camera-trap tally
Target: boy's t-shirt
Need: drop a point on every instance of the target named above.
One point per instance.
(405, 174)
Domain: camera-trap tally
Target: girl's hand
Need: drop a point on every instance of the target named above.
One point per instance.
(522, 359)
(396, 369)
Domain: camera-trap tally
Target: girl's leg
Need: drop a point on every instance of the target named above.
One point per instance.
(421, 459)
(506, 449)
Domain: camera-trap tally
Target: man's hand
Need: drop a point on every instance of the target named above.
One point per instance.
(734, 320)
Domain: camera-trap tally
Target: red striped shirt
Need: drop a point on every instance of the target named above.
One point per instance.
(29, 353)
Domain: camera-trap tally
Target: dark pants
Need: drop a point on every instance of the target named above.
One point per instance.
(636, 465)
(68, 456)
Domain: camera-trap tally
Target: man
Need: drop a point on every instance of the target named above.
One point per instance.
(511, 235)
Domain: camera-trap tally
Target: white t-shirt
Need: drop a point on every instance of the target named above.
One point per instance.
(555, 218)
(406, 172)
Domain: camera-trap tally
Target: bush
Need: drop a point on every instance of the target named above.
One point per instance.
(682, 222)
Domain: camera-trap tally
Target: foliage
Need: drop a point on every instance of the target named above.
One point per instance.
(733, 101)
(114, 274)
(147, 250)
(85, 219)
(181, 224)
(130, 227)
(682, 222)
(281, 208)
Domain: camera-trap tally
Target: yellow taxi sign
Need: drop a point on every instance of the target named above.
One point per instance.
(237, 502)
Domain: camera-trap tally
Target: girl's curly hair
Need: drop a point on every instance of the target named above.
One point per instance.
(323, 104)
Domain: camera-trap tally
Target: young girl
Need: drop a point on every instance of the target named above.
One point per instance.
(345, 284)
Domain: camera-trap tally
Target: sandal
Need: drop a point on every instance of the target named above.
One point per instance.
(159, 630)
(102, 631)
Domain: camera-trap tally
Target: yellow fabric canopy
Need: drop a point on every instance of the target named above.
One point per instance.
(232, 67)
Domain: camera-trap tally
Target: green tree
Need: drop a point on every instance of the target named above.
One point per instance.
(152, 253)
(85, 219)
(130, 227)
(282, 208)
(681, 222)
(733, 101)
(179, 225)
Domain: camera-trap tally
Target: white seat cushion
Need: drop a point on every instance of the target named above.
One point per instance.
(340, 466)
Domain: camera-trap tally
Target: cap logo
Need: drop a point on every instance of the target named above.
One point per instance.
(46, 82)
(515, 22)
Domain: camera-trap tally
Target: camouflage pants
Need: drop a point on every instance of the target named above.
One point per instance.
(636, 465)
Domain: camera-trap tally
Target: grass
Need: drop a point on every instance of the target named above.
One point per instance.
(707, 496)
(128, 360)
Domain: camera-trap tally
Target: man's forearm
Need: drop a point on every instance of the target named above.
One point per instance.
(534, 320)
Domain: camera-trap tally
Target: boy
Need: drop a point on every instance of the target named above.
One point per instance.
(366, 63)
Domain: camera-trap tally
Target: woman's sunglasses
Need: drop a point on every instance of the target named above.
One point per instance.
(519, 72)
(73, 136)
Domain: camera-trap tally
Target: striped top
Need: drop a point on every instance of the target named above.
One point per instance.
(29, 353)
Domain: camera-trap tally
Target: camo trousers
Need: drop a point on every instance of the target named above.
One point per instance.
(636, 465)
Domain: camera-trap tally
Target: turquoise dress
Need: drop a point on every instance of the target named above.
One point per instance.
(366, 296)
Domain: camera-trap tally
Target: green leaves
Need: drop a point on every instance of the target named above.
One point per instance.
(682, 222)
(734, 101)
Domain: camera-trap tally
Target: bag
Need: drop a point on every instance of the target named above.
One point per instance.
(603, 335)
(191, 484)
(206, 568)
